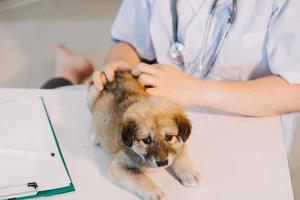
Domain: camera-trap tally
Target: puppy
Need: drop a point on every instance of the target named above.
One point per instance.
(141, 132)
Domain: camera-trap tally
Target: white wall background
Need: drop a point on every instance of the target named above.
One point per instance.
(28, 30)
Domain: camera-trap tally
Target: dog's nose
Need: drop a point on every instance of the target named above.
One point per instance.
(161, 163)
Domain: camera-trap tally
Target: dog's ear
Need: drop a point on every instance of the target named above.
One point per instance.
(184, 126)
(128, 131)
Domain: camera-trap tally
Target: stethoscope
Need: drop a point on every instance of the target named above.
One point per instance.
(176, 51)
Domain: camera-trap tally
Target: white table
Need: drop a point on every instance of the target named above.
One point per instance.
(239, 158)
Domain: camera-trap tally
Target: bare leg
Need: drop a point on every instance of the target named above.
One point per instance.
(71, 66)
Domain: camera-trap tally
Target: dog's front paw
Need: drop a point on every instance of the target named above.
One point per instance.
(153, 194)
(191, 179)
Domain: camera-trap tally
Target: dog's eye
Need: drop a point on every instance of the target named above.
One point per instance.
(147, 140)
(168, 138)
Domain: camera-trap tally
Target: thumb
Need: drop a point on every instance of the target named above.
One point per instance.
(139, 69)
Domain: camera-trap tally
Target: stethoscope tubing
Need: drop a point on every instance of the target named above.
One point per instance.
(174, 20)
(204, 70)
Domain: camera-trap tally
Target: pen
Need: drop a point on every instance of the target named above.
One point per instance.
(29, 152)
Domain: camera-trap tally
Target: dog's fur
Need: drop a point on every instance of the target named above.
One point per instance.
(124, 119)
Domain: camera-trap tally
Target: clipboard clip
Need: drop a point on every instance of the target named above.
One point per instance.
(15, 191)
(33, 184)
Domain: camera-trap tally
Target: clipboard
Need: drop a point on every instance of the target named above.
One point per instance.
(32, 163)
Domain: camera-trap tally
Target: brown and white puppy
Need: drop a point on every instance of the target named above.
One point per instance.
(141, 132)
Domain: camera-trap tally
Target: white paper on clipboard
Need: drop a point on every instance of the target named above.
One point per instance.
(28, 151)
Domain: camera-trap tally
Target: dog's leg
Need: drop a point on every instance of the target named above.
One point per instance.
(183, 169)
(133, 178)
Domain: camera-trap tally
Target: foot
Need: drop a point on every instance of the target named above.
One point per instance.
(70, 66)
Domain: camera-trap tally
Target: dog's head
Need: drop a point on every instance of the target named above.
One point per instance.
(155, 129)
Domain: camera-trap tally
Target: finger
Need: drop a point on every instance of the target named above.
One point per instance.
(104, 78)
(136, 71)
(97, 80)
(109, 70)
(148, 80)
(145, 68)
(109, 73)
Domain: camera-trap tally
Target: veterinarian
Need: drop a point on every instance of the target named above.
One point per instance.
(237, 56)
(251, 68)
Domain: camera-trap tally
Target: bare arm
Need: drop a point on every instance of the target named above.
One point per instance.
(123, 52)
(261, 97)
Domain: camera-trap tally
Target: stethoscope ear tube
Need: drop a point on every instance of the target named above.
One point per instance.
(234, 12)
(174, 19)
(213, 7)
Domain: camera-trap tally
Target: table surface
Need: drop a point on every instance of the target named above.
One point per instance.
(237, 157)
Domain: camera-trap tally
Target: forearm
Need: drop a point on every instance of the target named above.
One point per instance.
(262, 97)
(123, 52)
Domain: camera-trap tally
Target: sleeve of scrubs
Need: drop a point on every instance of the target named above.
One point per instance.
(132, 26)
(283, 43)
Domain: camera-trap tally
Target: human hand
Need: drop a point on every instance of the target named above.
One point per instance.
(169, 82)
(100, 77)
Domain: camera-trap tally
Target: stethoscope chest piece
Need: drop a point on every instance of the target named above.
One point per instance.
(176, 53)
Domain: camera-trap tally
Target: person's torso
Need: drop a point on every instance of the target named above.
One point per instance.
(243, 53)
